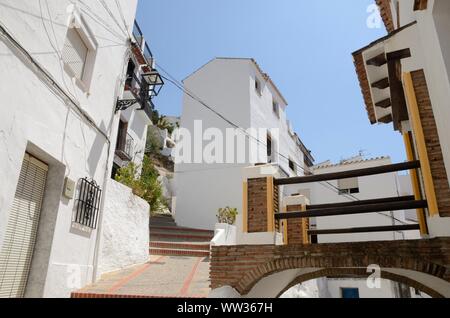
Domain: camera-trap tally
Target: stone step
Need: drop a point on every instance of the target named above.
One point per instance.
(175, 252)
(160, 236)
(181, 245)
(179, 229)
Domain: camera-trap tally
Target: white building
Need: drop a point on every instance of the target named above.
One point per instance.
(238, 90)
(62, 68)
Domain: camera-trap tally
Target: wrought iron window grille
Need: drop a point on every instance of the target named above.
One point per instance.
(88, 203)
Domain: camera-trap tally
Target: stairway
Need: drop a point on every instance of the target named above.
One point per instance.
(166, 238)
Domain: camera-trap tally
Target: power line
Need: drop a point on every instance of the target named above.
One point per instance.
(175, 82)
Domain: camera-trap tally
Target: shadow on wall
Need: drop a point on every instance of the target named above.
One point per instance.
(96, 151)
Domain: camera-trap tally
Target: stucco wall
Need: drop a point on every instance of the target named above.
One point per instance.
(227, 85)
(125, 232)
(38, 120)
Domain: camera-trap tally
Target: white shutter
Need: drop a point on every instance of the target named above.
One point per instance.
(20, 236)
(75, 53)
(346, 184)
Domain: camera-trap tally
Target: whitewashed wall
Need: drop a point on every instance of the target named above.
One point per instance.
(228, 86)
(34, 118)
(125, 232)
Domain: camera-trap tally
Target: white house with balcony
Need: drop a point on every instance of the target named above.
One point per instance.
(242, 93)
(63, 221)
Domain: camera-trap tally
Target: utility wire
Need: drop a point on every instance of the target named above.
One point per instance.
(176, 83)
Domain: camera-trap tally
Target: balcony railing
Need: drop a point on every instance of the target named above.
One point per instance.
(143, 52)
(125, 149)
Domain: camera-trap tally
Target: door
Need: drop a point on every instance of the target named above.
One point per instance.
(20, 237)
(350, 292)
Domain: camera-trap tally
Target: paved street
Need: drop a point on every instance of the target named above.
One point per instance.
(162, 276)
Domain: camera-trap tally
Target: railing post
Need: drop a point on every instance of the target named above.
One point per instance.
(259, 204)
(296, 230)
(417, 128)
(407, 138)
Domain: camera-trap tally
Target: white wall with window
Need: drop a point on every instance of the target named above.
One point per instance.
(60, 112)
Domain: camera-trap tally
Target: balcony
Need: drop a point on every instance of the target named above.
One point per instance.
(125, 148)
(141, 49)
(143, 81)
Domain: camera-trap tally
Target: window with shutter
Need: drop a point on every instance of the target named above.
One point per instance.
(21, 231)
(75, 53)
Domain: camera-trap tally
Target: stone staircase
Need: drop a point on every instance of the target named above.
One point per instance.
(166, 238)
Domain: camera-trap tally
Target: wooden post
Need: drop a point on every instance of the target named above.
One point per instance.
(407, 138)
(417, 128)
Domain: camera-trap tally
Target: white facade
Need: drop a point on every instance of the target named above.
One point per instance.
(430, 50)
(67, 123)
(228, 86)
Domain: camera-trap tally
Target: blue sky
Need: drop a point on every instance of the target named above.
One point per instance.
(305, 46)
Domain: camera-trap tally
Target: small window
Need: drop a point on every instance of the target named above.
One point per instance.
(75, 53)
(348, 186)
(350, 292)
(269, 149)
(292, 165)
(276, 108)
(258, 87)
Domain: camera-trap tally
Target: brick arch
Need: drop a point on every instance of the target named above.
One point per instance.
(249, 279)
(359, 273)
(242, 266)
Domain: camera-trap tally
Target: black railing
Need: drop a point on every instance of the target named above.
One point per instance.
(137, 34)
(88, 203)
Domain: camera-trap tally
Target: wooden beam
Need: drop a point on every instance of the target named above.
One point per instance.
(360, 209)
(361, 202)
(378, 60)
(411, 155)
(381, 84)
(398, 100)
(350, 173)
(416, 124)
(390, 228)
(386, 119)
(385, 103)
(398, 55)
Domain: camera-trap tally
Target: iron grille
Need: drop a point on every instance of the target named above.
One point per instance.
(88, 203)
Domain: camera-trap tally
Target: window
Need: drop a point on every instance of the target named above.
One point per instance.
(75, 53)
(258, 87)
(130, 74)
(291, 165)
(350, 292)
(269, 149)
(276, 108)
(348, 186)
(79, 51)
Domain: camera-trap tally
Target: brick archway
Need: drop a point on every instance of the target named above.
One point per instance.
(242, 267)
(359, 273)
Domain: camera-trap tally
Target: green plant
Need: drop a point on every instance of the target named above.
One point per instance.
(153, 145)
(163, 123)
(147, 186)
(227, 215)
